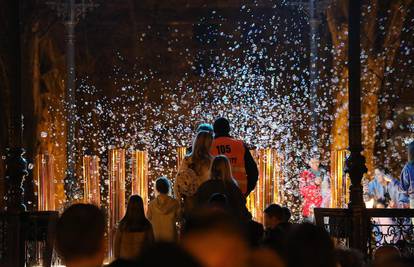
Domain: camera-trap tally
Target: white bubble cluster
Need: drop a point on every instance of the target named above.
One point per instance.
(253, 71)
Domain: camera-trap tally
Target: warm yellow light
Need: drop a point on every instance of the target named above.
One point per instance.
(339, 183)
(92, 185)
(139, 170)
(116, 170)
(181, 152)
(268, 188)
(45, 182)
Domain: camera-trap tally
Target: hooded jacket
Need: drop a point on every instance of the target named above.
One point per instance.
(163, 213)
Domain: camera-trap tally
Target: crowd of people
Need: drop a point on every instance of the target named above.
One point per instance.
(203, 220)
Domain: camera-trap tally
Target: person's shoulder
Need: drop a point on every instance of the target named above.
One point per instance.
(152, 202)
(409, 166)
(234, 187)
(241, 142)
(173, 200)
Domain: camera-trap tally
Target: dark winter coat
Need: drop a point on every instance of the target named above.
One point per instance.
(236, 200)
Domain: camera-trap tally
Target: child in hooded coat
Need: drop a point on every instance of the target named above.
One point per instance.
(163, 212)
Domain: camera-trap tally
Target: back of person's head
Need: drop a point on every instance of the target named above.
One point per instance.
(162, 185)
(411, 151)
(205, 127)
(386, 253)
(404, 247)
(80, 233)
(221, 127)
(346, 257)
(166, 254)
(274, 215)
(264, 257)
(206, 220)
(286, 214)
(309, 245)
(275, 210)
(215, 239)
(201, 149)
(221, 169)
(134, 219)
(396, 262)
(218, 201)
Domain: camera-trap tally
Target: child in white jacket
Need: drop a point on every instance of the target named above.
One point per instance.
(163, 212)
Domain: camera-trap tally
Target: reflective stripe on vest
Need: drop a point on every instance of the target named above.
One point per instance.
(234, 150)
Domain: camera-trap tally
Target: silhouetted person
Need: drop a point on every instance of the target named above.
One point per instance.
(221, 181)
(215, 239)
(166, 254)
(255, 233)
(218, 201)
(311, 246)
(396, 262)
(275, 228)
(80, 236)
(347, 257)
(244, 167)
(134, 231)
(273, 216)
(385, 254)
(286, 214)
(264, 257)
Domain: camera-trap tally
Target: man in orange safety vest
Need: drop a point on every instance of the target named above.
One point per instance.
(243, 166)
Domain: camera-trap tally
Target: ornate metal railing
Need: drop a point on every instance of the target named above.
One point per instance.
(337, 222)
(382, 227)
(390, 227)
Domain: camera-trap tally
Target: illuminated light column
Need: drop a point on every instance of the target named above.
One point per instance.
(181, 152)
(116, 171)
(91, 180)
(140, 175)
(268, 188)
(45, 182)
(340, 182)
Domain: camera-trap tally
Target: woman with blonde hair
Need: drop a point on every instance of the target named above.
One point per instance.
(194, 170)
(222, 182)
